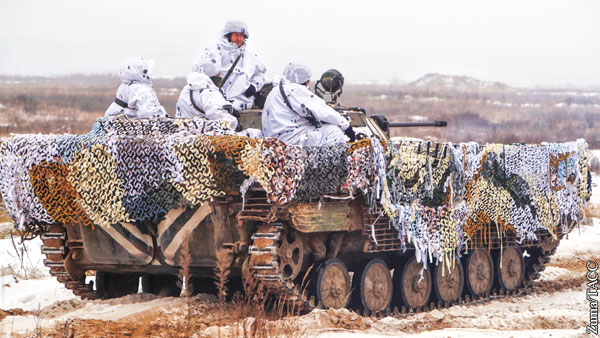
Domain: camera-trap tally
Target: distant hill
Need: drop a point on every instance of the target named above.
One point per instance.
(441, 82)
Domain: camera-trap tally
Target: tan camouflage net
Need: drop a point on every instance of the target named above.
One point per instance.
(93, 175)
(57, 195)
(198, 183)
(253, 166)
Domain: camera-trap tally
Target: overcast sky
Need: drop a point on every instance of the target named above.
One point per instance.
(519, 42)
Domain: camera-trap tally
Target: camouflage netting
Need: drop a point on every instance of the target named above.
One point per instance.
(440, 202)
(438, 198)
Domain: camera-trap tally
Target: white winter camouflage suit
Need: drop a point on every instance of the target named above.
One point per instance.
(207, 97)
(249, 70)
(136, 91)
(293, 126)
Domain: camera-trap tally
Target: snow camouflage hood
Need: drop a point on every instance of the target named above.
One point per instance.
(137, 69)
(437, 196)
(198, 81)
(297, 73)
(235, 26)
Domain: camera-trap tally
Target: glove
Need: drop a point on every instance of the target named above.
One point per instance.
(350, 133)
(250, 91)
(229, 108)
(238, 128)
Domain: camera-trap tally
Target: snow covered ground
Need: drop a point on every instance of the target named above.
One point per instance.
(26, 283)
(557, 307)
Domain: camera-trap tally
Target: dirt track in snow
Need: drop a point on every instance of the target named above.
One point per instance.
(556, 307)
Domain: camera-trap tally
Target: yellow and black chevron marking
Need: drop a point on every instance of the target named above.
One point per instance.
(177, 227)
(128, 242)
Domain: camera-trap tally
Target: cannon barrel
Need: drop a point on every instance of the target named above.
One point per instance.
(419, 124)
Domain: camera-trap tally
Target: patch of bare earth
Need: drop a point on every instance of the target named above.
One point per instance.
(210, 319)
(12, 312)
(550, 306)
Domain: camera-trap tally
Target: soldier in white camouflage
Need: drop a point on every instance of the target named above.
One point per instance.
(295, 115)
(135, 96)
(240, 73)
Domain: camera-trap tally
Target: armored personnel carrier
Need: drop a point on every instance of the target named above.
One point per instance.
(374, 225)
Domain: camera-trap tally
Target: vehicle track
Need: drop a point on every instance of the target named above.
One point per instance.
(264, 267)
(264, 255)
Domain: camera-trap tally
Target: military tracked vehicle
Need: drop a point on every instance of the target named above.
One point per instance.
(460, 228)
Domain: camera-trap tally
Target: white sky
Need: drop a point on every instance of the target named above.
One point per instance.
(519, 42)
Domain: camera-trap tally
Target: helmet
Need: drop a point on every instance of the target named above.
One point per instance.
(236, 26)
(381, 121)
(332, 80)
(297, 73)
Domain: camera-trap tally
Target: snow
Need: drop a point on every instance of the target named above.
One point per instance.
(112, 309)
(572, 93)
(451, 332)
(581, 242)
(498, 103)
(566, 93)
(31, 263)
(417, 118)
(27, 294)
(31, 294)
(432, 99)
(522, 316)
(573, 105)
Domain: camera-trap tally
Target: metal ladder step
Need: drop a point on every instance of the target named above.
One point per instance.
(46, 250)
(53, 264)
(268, 277)
(60, 274)
(53, 235)
(262, 267)
(266, 250)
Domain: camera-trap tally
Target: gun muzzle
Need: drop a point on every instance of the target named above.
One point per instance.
(419, 124)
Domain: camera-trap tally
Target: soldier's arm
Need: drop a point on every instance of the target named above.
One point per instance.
(309, 103)
(145, 101)
(258, 78)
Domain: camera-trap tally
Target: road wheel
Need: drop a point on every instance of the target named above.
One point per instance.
(479, 271)
(511, 267)
(161, 285)
(290, 252)
(331, 284)
(372, 286)
(448, 282)
(412, 290)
